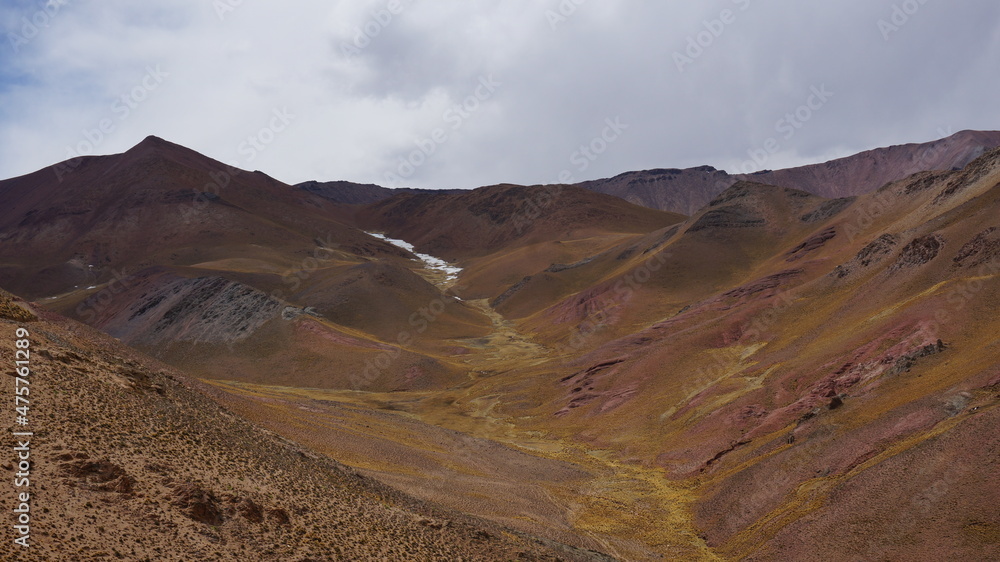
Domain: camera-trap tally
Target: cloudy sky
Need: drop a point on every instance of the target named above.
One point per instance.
(463, 93)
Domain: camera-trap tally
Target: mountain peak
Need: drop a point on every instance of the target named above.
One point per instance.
(153, 142)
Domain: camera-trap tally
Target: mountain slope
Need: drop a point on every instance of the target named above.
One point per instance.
(359, 194)
(132, 461)
(854, 350)
(487, 219)
(686, 191)
(156, 204)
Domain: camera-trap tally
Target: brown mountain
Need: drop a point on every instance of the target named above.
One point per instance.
(156, 204)
(822, 378)
(359, 193)
(778, 365)
(686, 191)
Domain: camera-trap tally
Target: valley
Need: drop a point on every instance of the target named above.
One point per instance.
(779, 373)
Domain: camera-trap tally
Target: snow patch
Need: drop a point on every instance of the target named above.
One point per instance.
(434, 263)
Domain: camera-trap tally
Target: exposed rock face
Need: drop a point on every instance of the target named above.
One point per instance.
(101, 475)
(876, 250)
(985, 247)
(918, 252)
(510, 292)
(827, 209)
(199, 504)
(731, 216)
(872, 253)
(202, 309)
(812, 244)
(969, 175)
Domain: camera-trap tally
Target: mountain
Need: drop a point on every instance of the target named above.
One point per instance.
(672, 189)
(867, 171)
(480, 221)
(358, 193)
(776, 375)
(208, 266)
(158, 203)
(131, 459)
(686, 191)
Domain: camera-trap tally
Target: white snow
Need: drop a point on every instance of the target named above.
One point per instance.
(451, 272)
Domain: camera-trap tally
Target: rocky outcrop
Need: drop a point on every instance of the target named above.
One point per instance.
(919, 251)
(827, 209)
(813, 243)
(984, 248)
(731, 216)
(202, 309)
(872, 253)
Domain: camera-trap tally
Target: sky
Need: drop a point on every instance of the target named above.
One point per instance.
(465, 93)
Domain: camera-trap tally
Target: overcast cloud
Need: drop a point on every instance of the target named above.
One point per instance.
(349, 90)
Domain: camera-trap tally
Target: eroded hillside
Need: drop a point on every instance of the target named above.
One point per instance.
(131, 460)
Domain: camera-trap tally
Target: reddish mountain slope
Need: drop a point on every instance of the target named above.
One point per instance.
(839, 356)
(867, 171)
(686, 191)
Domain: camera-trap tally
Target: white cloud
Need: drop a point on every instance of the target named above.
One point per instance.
(356, 116)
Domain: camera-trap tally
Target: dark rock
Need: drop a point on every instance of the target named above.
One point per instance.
(919, 251)
(727, 217)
